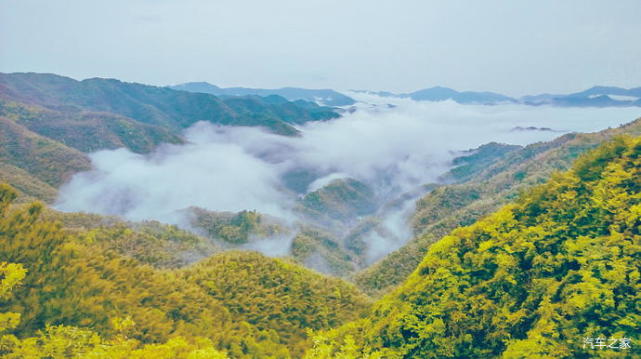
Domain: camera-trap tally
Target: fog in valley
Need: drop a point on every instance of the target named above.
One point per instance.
(393, 146)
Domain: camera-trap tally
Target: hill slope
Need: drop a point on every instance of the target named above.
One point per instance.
(481, 193)
(246, 304)
(531, 280)
(47, 160)
(88, 131)
(274, 294)
(156, 106)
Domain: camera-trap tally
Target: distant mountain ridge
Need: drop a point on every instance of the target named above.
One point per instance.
(467, 97)
(597, 96)
(322, 96)
(156, 106)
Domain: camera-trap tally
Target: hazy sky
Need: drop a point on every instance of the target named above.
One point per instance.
(514, 47)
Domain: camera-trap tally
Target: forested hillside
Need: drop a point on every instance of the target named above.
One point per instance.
(480, 191)
(100, 280)
(34, 164)
(88, 131)
(154, 106)
(560, 264)
(49, 122)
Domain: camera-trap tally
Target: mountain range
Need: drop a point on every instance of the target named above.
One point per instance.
(326, 97)
(598, 96)
(152, 111)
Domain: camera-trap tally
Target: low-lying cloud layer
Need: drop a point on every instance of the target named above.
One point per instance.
(391, 145)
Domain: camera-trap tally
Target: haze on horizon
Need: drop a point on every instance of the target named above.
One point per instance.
(510, 47)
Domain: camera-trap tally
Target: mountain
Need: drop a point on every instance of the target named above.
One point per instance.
(149, 242)
(235, 228)
(597, 96)
(439, 93)
(326, 97)
(155, 106)
(273, 294)
(610, 90)
(466, 97)
(36, 165)
(315, 243)
(88, 131)
(478, 194)
(474, 161)
(342, 200)
(531, 280)
(98, 277)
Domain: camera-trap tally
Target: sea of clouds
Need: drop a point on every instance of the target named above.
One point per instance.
(393, 145)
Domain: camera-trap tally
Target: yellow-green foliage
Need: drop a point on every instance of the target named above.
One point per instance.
(530, 281)
(29, 187)
(58, 342)
(457, 205)
(319, 249)
(151, 242)
(73, 284)
(235, 228)
(341, 200)
(11, 274)
(277, 295)
(49, 161)
(80, 280)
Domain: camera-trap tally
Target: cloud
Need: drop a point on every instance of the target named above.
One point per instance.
(393, 149)
(215, 175)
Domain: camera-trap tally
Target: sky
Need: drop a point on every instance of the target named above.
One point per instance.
(512, 47)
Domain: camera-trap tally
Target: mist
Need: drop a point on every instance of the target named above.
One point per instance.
(392, 145)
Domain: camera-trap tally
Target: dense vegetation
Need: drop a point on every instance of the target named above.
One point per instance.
(140, 106)
(341, 200)
(70, 342)
(89, 279)
(478, 195)
(311, 246)
(275, 294)
(532, 280)
(85, 130)
(47, 160)
(321, 250)
(150, 242)
(235, 228)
